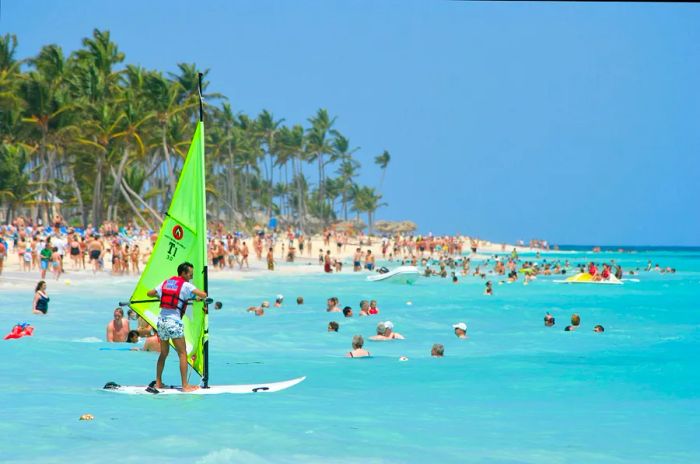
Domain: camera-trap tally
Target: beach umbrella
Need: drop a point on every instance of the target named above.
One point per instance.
(349, 226)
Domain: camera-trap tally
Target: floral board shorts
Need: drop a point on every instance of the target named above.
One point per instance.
(170, 327)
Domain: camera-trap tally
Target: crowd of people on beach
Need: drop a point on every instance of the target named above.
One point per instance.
(50, 249)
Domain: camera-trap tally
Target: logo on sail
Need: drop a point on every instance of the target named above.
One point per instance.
(178, 233)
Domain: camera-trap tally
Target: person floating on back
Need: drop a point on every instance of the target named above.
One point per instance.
(174, 293)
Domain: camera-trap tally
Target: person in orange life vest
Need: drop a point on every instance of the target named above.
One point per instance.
(174, 293)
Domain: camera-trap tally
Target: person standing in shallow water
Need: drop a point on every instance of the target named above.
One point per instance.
(174, 294)
(270, 260)
(41, 299)
(327, 262)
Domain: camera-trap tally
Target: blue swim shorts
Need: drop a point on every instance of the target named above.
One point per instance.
(170, 327)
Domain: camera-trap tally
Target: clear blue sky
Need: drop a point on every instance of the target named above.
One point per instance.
(578, 123)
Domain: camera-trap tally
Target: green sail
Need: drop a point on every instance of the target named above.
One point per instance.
(182, 237)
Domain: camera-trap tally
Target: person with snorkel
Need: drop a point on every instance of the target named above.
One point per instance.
(174, 294)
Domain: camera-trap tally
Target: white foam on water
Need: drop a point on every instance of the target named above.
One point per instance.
(88, 340)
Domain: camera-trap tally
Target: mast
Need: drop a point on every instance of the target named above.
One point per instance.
(205, 308)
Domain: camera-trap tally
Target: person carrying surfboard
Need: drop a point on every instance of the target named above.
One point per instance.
(174, 294)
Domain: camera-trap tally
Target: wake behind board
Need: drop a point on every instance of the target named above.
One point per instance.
(212, 390)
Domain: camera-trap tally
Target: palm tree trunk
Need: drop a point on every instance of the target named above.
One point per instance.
(125, 194)
(124, 185)
(232, 183)
(78, 195)
(321, 187)
(43, 176)
(97, 192)
(116, 187)
(166, 152)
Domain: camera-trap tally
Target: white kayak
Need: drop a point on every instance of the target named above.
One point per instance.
(402, 274)
(586, 278)
(212, 390)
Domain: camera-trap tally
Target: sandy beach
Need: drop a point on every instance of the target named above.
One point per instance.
(14, 278)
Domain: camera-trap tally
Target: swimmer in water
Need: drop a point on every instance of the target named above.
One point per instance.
(548, 320)
(460, 329)
(357, 350)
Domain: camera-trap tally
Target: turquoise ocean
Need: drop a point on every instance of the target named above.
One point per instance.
(513, 392)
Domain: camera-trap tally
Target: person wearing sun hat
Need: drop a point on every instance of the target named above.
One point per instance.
(460, 329)
(389, 332)
(385, 331)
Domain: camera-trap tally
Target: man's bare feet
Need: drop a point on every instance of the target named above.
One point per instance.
(158, 385)
(190, 388)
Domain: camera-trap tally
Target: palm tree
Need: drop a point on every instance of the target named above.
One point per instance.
(9, 73)
(382, 161)
(135, 130)
(292, 149)
(16, 185)
(46, 98)
(347, 169)
(318, 144)
(269, 128)
(110, 139)
(231, 141)
(163, 96)
(97, 86)
(367, 200)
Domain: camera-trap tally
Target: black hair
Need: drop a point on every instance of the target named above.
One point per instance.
(38, 286)
(131, 334)
(347, 310)
(218, 305)
(184, 267)
(334, 326)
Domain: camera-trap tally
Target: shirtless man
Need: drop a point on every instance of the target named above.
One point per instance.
(332, 305)
(244, 256)
(369, 261)
(357, 260)
(118, 328)
(94, 248)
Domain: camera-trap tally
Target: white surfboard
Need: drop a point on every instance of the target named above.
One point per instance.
(402, 274)
(212, 390)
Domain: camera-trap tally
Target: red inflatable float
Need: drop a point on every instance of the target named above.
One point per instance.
(19, 331)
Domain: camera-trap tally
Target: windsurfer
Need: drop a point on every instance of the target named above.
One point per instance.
(174, 293)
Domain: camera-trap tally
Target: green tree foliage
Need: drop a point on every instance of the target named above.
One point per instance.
(109, 138)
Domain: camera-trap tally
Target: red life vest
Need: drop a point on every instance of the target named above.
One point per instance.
(170, 294)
